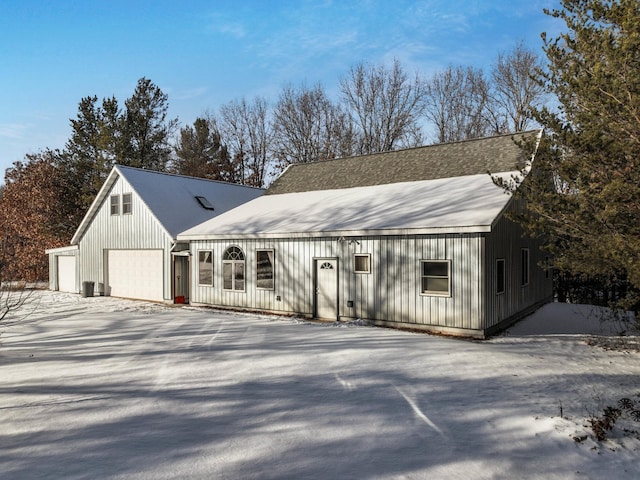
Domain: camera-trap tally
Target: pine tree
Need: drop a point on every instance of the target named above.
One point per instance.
(592, 145)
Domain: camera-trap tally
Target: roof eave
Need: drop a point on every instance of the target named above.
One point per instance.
(95, 205)
(342, 233)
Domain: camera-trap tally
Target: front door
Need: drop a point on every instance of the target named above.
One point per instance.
(326, 288)
(181, 279)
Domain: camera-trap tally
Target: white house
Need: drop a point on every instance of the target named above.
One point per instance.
(127, 242)
(416, 238)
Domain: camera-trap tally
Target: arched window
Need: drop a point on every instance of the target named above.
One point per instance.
(233, 269)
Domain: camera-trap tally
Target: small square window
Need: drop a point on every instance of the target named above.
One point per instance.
(436, 277)
(126, 204)
(362, 263)
(115, 204)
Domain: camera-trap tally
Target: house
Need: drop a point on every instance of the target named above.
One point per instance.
(415, 239)
(127, 242)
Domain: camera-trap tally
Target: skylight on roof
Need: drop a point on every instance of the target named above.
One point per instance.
(204, 203)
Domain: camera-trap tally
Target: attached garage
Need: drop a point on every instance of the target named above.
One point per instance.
(135, 274)
(127, 240)
(66, 273)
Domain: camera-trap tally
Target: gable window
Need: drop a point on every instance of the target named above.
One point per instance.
(126, 204)
(115, 204)
(500, 284)
(436, 277)
(205, 268)
(524, 253)
(264, 269)
(362, 263)
(233, 269)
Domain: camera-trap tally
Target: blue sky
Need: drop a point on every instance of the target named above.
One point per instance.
(206, 53)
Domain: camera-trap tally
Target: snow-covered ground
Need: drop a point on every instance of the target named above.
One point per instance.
(108, 388)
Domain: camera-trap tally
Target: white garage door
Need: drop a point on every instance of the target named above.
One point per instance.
(66, 273)
(135, 274)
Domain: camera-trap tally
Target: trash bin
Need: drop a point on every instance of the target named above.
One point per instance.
(87, 289)
(100, 289)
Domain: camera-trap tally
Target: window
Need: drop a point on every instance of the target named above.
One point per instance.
(264, 269)
(204, 203)
(115, 204)
(525, 267)
(436, 277)
(205, 268)
(233, 269)
(362, 263)
(500, 276)
(126, 204)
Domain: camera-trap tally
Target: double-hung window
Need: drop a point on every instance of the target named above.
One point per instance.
(264, 269)
(126, 204)
(115, 204)
(436, 277)
(205, 268)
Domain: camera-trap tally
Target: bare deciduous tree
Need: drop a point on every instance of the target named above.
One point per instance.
(247, 133)
(309, 127)
(385, 105)
(515, 89)
(457, 101)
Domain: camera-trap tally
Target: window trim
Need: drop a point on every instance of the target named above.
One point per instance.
(129, 203)
(525, 267)
(434, 293)
(114, 204)
(200, 284)
(233, 263)
(272, 260)
(355, 263)
(501, 261)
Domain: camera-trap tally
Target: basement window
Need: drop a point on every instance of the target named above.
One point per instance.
(204, 203)
(436, 277)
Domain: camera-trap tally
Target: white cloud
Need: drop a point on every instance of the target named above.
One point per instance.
(12, 130)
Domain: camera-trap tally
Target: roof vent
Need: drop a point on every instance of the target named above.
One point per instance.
(204, 203)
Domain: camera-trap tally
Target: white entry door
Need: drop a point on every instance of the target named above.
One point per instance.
(135, 274)
(326, 292)
(67, 273)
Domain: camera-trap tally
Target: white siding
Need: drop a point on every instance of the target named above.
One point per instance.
(506, 241)
(390, 293)
(139, 230)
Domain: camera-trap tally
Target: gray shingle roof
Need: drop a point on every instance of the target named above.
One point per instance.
(469, 157)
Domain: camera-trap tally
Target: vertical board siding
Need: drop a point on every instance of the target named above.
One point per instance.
(505, 242)
(391, 292)
(138, 230)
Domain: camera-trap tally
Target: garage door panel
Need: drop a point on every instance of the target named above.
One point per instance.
(136, 274)
(67, 273)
